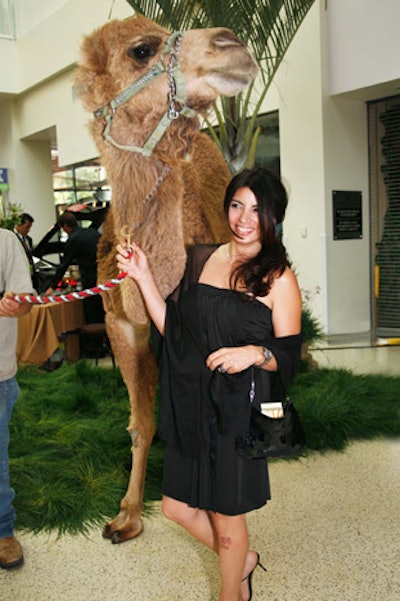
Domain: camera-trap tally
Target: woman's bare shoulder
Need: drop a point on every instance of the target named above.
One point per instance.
(285, 284)
(287, 278)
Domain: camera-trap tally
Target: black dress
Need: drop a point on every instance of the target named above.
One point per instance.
(202, 412)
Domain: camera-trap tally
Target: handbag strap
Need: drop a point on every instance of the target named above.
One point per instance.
(252, 391)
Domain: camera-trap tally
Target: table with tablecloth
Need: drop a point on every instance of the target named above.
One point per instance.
(40, 331)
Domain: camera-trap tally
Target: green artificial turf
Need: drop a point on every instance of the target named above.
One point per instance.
(337, 406)
(70, 453)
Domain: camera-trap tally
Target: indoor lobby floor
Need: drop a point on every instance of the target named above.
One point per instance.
(360, 359)
(330, 533)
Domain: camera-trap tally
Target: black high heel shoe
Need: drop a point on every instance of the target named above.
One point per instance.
(250, 575)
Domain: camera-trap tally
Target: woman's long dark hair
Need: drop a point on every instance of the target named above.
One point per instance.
(258, 273)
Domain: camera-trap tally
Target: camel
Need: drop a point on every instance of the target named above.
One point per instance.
(146, 88)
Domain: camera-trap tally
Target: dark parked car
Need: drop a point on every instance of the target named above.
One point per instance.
(48, 253)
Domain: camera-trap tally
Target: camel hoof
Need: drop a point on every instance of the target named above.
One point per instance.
(107, 531)
(120, 536)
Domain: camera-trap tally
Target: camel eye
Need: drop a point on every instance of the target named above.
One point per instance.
(143, 52)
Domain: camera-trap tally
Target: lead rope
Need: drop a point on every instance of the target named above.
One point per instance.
(70, 296)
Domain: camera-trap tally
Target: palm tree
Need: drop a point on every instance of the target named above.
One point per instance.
(268, 26)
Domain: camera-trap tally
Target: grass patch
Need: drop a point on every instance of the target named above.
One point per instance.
(337, 406)
(70, 452)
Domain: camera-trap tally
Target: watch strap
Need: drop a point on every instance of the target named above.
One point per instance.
(267, 357)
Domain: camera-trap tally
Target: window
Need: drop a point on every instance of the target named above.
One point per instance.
(268, 148)
(7, 21)
(384, 144)
(78, 182)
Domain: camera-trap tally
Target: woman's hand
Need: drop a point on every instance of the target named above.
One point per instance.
(232, 360)
(133, 261)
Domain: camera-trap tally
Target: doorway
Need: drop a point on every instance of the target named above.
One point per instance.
(384, 145)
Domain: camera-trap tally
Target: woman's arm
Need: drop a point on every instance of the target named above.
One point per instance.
(134, 262)
(285, 303)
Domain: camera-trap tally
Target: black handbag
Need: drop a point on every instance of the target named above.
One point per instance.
(270, 436)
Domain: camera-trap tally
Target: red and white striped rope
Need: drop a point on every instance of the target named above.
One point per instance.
(70, 296)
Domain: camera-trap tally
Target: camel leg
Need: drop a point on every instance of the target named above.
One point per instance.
(138, 368)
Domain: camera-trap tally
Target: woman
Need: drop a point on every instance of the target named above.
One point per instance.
(238, 306)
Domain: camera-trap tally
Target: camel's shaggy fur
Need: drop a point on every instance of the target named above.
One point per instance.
(185, 209)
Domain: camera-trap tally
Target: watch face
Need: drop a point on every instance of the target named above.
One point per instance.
(267, 354)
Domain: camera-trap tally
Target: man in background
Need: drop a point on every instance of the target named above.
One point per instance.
(14, 278)
(22, 229)
(80, 248)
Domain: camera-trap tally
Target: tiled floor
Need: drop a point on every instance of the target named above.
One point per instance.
(330, 533)
(359, 359)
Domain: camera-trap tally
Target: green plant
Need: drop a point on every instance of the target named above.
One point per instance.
(310, 326)
(11, 216)
(337, 406)
(268, 27)
(70, 454)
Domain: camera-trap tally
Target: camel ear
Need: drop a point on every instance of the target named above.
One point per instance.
(94, 54)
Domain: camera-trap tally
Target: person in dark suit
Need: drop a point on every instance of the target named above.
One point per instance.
(22, 229)
(80, 248)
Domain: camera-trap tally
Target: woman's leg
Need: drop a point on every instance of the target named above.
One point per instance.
(226, 535)
(195, 521)
(233, 548)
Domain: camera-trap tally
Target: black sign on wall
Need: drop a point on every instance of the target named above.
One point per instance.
(347, 215)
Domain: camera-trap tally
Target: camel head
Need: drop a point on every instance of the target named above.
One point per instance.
(134, 72)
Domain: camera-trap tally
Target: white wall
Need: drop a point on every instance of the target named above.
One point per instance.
(33, 179)
(9, 72)
(29, 13)
(6, 133)
(346, 168)
(323, 148)
(49, 34)
(302, 160)
(51, 105)
(364, 43)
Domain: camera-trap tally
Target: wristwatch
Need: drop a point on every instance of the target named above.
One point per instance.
(267, 356)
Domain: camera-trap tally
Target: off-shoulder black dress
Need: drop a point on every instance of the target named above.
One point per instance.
(202, 412)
